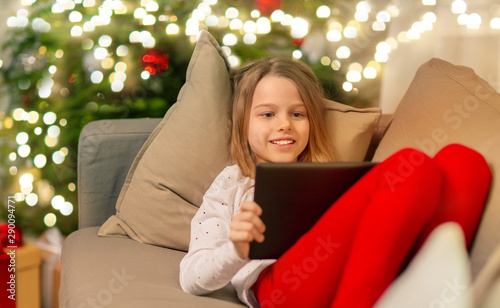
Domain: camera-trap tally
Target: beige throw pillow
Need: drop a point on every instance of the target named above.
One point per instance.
(447, 104)
(190, 147)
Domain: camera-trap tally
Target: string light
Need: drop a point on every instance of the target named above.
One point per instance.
(245, 29)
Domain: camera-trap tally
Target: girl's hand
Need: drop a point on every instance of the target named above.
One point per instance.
(246, 227)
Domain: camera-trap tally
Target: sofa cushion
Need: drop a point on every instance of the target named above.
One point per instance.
(447, 104)
(120, 272)
(351, 129)
(190, 146)
(438, 274)
(180, 159)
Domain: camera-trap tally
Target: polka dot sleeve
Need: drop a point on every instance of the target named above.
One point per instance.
(211, 261)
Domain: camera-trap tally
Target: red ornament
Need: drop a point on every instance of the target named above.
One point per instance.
(266, 7)
(154, 61)
(26, 99)
(10, 236)
(298, 42)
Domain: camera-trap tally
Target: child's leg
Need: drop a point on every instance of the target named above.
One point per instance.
(382, 215)
(467, 182)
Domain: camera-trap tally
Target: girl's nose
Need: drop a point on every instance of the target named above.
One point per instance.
(284, 124)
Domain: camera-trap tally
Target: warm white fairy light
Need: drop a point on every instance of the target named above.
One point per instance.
(249, 38)
(105, 41)
(236, 24)
(49, 118)
(58, 157)
(88, 26)
(53, 131)
(255, 14)
(363, 6)
(343, 52)
(172, 29)
(22, 138)
(463, 19)
(212, 21)
(297, 54)
(149, 20)
(100, 53)
(353, 76)
(347, 86)
(50, 219)
(122, 51)
(350, 32)
(198, 14)
(474, 21)
(26, 180)
(334, 35)
(139, 13)
(13, 170)
(66, 209)
(286, 20)
(96, 77)
(88, 3)
(361, 16)
(370, 72)
(299, 27)
(234, 61)
(117, 86)
(458, 7)
(378, 26)
(152, 6)
(229, 39)
(323, 11)
(495, 23)
(41, 25)
(75, 16)
(263, 25)
(232, 13)
(277, 15)
(19, 114)
(24, 150)
(192, 26)
(250, 26)
(57, 202)
(383, 16)
(33, 117)
(40, 161)
(226, 50)
(31, 199)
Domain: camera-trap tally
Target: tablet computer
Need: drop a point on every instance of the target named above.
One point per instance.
(293, 196)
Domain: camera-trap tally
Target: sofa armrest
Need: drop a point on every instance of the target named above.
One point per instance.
(106, 151)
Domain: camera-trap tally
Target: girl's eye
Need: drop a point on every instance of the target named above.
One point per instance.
(267, 115)
(297, 114)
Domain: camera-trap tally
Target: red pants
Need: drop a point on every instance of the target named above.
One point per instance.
(353, 253)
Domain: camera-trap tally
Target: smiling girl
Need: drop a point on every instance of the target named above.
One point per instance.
(361, 243)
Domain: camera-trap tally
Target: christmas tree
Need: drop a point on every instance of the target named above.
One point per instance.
(76, 61)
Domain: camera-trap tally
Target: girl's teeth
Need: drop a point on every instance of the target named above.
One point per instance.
(283, 142)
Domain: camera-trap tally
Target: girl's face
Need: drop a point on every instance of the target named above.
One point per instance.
(278, 128)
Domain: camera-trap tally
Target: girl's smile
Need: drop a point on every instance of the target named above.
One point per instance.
(279, 125)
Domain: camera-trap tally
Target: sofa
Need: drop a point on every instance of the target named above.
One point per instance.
(141, 180)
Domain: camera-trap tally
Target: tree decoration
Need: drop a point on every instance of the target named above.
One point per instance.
(75, 61)
(154, 61)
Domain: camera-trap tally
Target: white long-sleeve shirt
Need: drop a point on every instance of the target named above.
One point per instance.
(212, 262)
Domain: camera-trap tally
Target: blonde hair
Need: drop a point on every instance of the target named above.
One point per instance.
(245, 79)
